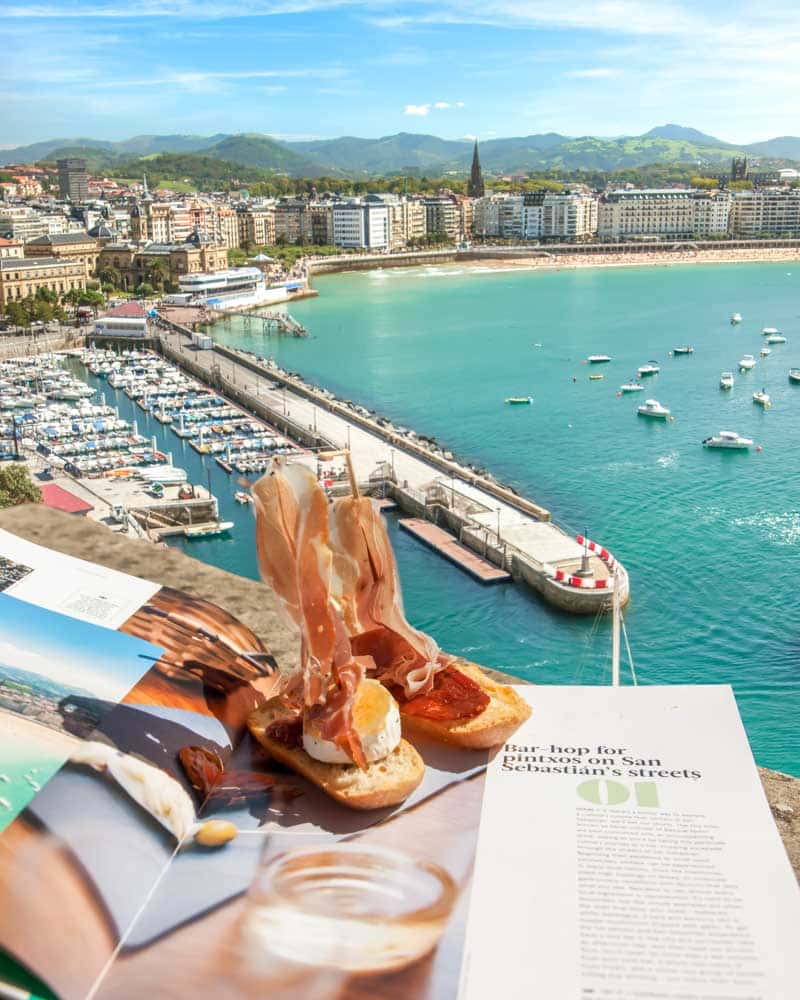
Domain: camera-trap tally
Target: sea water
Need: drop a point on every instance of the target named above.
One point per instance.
(708, 537)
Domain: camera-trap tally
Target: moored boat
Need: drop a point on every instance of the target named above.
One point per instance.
(519, 400)
(764, 352)
(598, 359)
(596, 378)
(776, 338)
(768, 331)
(726, 380)
(208, 530)
(794, 375)
(728, 439)
(747, 363)
(762, 398)
(651, 368)
(241, 497)
(652, 408)
(631, 387)
(736, 318)
(683, 350)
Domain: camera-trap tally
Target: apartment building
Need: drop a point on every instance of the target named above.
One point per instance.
(73, 180)
(444, 217)
(226, 227)
(712, 211)
(361, 225)
(321, 223)
(22, 223)
(293, 221)
(10, 248)
(256, 225)
(568, 216)
(24, 276)
(765, 212)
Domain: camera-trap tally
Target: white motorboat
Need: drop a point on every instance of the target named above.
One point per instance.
(764, 352)
(736, 318)
(631, 387)
(683, 350)
(747, 363)
(768, 331)
(728, 439)
(598, 359)
(167, 475)
(762, 398)
(794, 375)
(726, 380)
(651, 368)
(652, 408)
(776, 338)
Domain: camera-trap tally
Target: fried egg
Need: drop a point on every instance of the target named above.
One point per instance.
(376, 719)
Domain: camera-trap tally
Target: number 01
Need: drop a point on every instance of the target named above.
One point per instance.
(601, 792)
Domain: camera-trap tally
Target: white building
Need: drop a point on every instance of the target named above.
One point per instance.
(712, 212)
(766, 212)
(361, 225)
(559, 215)
(659, 212)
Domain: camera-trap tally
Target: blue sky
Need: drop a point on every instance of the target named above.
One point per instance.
(322, 68)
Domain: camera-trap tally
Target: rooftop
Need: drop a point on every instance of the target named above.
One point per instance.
(61, 239)
(128, 310)
(60, 499)
(15, 263)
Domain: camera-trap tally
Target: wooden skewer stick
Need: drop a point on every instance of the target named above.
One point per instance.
(351, 472)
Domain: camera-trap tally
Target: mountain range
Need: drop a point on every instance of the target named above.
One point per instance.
(421, 154)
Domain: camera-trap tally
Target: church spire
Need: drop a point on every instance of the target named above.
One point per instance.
(475, 186)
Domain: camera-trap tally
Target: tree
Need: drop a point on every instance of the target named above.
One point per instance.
(740, 185)
(704, 183)
(15, 312)
(144, 290)
(16, 486)
(109, 275)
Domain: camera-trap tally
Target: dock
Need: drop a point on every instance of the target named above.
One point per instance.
(440, 541)
(426, 481)
(271, 321)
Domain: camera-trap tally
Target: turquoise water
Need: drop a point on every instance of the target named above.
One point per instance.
(708, 537)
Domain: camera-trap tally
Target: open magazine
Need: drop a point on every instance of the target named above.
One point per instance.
(626, 848)
(109, 682)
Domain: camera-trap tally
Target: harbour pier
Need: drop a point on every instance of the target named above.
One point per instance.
(271, 321)
(505, 529)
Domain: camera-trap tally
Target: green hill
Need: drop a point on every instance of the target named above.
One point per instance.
(253, 150)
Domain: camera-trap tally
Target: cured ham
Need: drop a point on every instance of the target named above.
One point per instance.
(295, 558)
(452, 697)
(369, 595)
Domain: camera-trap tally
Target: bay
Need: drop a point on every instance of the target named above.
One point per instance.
(708, 537)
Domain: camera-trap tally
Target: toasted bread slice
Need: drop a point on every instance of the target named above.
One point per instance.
(501, 717)
(383, 783)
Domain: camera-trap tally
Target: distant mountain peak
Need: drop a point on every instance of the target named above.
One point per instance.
(682, 132)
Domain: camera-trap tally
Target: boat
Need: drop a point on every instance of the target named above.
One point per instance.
(762, 398)
(736, 318)
(794, 375)
(208, 530)
(652, 408)
(683, 350)
(651, 368)
(598, 359)
(240, 497)
(768, 331)
(596, 378)
(631, 387)
(728, 439)
(519, 400)
(747, 363)
(776, 338)
(726, 380)
(764, 352)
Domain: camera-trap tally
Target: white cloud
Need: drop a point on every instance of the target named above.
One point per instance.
(441, 104)
(459, 104)
(469, 138)
(595, 73)
(416, 109)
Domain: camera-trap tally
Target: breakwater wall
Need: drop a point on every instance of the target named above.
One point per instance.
(449, 468)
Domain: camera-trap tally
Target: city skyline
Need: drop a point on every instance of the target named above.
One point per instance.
(322, 68)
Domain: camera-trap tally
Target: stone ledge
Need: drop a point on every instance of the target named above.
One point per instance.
(257, 607)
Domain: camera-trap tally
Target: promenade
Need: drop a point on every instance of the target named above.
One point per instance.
(503, 531)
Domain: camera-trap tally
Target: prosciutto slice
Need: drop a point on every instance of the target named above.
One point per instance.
(295, 559)
(368, 592)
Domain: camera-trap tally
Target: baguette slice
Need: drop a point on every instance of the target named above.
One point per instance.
(382, 783)
(505, 712)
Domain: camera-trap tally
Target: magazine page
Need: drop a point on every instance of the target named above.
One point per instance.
(143, 888)
(627, 850)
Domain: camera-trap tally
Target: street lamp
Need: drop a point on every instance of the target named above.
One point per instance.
(498, 525)
(391, 454)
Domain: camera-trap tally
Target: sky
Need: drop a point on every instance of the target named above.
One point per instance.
(303, 69)
(74, 653)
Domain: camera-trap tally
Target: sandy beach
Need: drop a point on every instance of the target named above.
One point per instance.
(656, 258)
